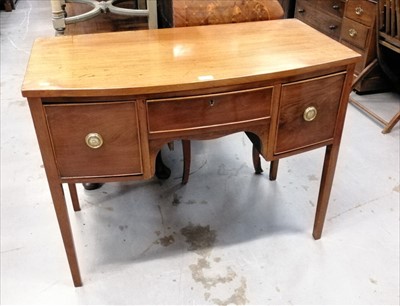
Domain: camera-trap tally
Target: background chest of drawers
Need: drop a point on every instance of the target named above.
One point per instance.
(351, 22)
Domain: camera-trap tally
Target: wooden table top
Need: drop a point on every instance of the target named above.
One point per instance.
(167, 60)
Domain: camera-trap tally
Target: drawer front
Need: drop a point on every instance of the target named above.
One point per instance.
(354, 33)
(298, 103)
(361, 11)
(77, 129)
(323, 22)
(335, 7)
(208, 110)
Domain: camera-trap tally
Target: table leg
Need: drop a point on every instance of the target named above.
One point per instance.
(328, 173)
(186, 161)
(60, 206)
(74, 197)
(273, 170)
(256, 160)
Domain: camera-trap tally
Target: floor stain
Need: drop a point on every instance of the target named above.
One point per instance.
(210, 281)
(312, 177)
(305, 187)
(167, 240)
(374, 281)
(237, 298)
(200, 238)
(277, 289)
(176, 200)
(311, 203)
(397, 188)
(122, 227)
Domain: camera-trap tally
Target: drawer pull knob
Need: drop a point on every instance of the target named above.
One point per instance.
(359, 10)
(332, 27)
(301, 10)
(335, 7)
(310, 113)
(94, 140)
(352, 32)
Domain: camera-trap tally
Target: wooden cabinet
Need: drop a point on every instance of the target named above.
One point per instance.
(351, 22)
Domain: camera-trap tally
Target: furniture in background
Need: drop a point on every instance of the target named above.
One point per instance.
(271, 78)
(351, 22)
(7, 5)
(145, 8)
(288, 7)
(186, 13)
(388, 55)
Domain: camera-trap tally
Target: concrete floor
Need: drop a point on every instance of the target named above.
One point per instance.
(228, 237)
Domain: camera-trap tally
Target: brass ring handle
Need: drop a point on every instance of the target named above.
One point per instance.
(310, 113)
(352, 32)
(94, 140)
(359, 10)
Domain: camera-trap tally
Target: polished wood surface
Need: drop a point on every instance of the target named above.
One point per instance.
(186, 83)
(165, 60)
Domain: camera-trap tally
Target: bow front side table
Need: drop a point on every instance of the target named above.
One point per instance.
(104, 104)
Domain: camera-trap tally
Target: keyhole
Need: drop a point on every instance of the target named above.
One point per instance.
(211, 102)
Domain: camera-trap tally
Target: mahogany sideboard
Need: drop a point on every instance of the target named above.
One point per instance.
(104, 104)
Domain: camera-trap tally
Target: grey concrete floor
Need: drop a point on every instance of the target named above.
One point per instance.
(227, 237)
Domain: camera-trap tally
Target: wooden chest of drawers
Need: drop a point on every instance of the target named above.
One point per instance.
(325, 16)
(351, 22)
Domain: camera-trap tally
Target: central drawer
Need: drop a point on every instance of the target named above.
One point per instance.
(95, 139)
(196, 112)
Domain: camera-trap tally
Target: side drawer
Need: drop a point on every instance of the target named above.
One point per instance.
(354, 33)
(307, 112)
(362, 11)
(195, 112)
(95, 139)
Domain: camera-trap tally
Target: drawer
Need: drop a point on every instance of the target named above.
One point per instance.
(323, 22)
(355, 33)
(363, 11)
(95, 139)
(335, 7)
(195, 112)
(299, 101)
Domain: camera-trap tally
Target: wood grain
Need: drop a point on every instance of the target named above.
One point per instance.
(167, 60)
